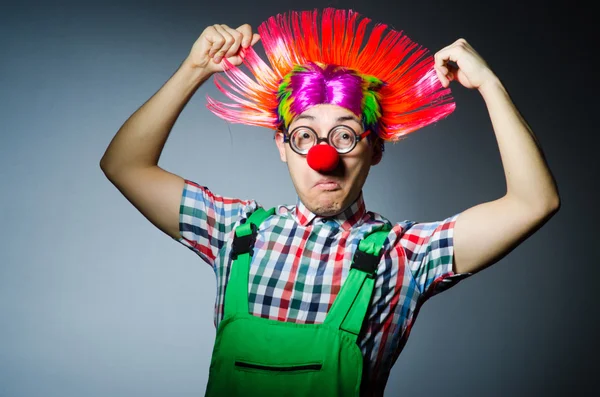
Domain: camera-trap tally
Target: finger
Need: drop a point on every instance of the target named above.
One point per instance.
(442, 78)
(446, 62)
(247, 37)
(255, 39)
(228, 41)
(442, 69)
(439, 61)
(215, 39)
(237, 37)
(446, 54)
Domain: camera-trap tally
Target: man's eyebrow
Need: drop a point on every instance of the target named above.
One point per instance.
(346, 118)
(305, 116)
(338, 120)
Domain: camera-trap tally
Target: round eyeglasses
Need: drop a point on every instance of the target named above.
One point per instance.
(341, 137)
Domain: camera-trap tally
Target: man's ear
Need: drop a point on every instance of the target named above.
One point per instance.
(377, 152)
(280, 146)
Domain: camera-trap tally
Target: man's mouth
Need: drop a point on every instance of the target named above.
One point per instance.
(327, 184)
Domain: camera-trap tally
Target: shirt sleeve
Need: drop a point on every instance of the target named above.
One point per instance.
(206, 220)
(429, 248)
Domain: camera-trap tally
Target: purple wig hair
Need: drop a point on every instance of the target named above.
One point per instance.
(314, 84)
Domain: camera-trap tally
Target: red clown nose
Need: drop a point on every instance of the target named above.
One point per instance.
(322, 158)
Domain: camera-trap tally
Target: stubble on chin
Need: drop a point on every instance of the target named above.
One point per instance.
(327, 211)
(325, 207)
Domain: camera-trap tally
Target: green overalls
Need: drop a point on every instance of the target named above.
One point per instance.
(255, 356)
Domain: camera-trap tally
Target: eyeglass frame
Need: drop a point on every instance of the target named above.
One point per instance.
(357, 138)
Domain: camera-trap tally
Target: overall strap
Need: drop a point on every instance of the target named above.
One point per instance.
(236, 292)
(350, 306)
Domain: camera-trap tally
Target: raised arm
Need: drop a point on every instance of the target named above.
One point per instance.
(486, 232)
(131, 159)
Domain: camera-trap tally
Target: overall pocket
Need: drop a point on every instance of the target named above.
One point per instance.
(289, 368)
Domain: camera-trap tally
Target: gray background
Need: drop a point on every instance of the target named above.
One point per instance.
(95, 301)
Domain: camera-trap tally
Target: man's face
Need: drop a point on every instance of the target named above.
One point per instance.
(327, 194)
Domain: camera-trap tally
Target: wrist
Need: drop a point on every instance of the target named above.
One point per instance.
(196, 74)
(490, 85)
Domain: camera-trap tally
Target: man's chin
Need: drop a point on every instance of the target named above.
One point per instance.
(326, 207)
(327, 212)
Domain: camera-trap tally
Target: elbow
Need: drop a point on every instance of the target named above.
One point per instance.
(111, 165)
(104, 166)
(540, 209)
(554, 205)
(548, 207)
(553, 201)
(107, 168)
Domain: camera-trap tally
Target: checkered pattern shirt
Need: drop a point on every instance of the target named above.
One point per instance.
(301, 260)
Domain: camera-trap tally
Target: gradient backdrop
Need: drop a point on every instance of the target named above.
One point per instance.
(96, 302)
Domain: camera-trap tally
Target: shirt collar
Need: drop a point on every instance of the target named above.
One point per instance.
(351, 216)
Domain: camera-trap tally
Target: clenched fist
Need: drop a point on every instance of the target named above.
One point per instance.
(460, 62)
(218, 42)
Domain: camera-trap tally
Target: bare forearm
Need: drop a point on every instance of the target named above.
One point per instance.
(140, 140)
(528, 178)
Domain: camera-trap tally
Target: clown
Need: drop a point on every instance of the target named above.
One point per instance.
(319, 298)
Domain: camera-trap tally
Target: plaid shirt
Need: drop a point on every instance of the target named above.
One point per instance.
(301, 260)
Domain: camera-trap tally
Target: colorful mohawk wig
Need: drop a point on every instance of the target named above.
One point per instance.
(389, 81)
